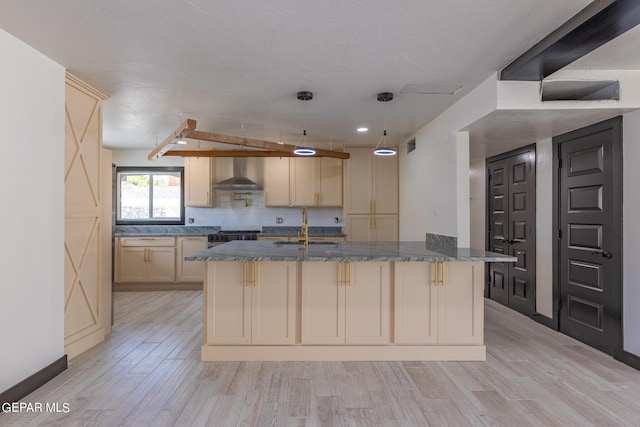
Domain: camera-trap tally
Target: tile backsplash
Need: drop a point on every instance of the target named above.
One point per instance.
(232, 214)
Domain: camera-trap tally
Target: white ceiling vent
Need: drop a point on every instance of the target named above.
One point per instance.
(427, 89)
(580, 90)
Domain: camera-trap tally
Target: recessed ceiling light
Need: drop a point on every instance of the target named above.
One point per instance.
(182, 142)
(362, 129)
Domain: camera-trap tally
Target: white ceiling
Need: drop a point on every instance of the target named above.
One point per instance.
(621, 53)
(226, 63)
(504, 130)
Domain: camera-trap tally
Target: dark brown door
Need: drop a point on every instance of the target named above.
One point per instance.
(589, 255)
(512, 228)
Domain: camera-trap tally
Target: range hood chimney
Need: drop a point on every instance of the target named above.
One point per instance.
(239, 180)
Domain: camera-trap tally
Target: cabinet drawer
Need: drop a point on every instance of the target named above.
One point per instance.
(147, 241)
(326, 239)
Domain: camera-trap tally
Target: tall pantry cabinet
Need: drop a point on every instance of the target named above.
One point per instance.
(371, 196)
(87, 234)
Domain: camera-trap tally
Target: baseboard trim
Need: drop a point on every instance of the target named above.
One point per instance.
(546, 321)
(34, 382)
(631, 360)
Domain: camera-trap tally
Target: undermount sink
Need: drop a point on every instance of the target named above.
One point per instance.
(293, 242)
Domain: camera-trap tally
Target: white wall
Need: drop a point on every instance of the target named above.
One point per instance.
(544, 230)
(431, 199)
(32, 96)
(478, 202)
(230, 214)
(631, 233)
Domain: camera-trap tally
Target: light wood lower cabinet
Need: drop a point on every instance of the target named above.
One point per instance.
(345, 303)
(343, 311)
(146, 259)
(149, 260)
(250, 303)
(438, 303)
(190, 271)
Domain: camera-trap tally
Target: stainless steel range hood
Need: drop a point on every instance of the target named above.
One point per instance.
(239, 180)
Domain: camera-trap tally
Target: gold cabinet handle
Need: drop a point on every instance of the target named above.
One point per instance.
(441, 281)
(340, 274)
(349, 273)
(246, 274)
(147, 238)
(435, 274)
(255, 274)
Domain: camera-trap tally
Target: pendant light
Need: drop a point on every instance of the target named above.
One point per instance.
(383, 148)
(305, 149)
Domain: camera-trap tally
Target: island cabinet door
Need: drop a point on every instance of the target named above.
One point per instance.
(367, 302)
(323, 303)
(228, 303)
(460, 303)
(273, 303)
(415, 304)
(190, 271)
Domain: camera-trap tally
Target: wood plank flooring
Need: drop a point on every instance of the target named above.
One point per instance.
(148, 373)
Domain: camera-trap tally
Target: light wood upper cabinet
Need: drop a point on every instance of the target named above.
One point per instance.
(276, 181)
(330, 177)
(371, 182)
(310, 181)
(251, 303)
(199, 175)
(371, 196)
(439, 303)
(345, 303)
(190, 271)
(384, 184)
(303, 181)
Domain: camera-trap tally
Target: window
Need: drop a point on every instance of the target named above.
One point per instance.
(149, 195)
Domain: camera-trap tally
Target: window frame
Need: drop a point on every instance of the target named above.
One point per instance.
(159, 170)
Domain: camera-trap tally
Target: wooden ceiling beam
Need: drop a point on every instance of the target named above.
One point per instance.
(257, 143)
(187, 129)
(229, 153)
(182, 131)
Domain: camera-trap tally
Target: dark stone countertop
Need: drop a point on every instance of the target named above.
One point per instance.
(282, 231)
(163, 230)
(343, 251)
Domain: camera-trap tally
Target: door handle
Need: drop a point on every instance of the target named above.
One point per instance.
(603, 254)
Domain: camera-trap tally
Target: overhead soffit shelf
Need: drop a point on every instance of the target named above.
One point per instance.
(252, 147)
(580, 90)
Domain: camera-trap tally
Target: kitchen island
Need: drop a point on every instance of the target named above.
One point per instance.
(343, 301)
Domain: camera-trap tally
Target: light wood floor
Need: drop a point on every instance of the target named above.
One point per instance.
(148, 373)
